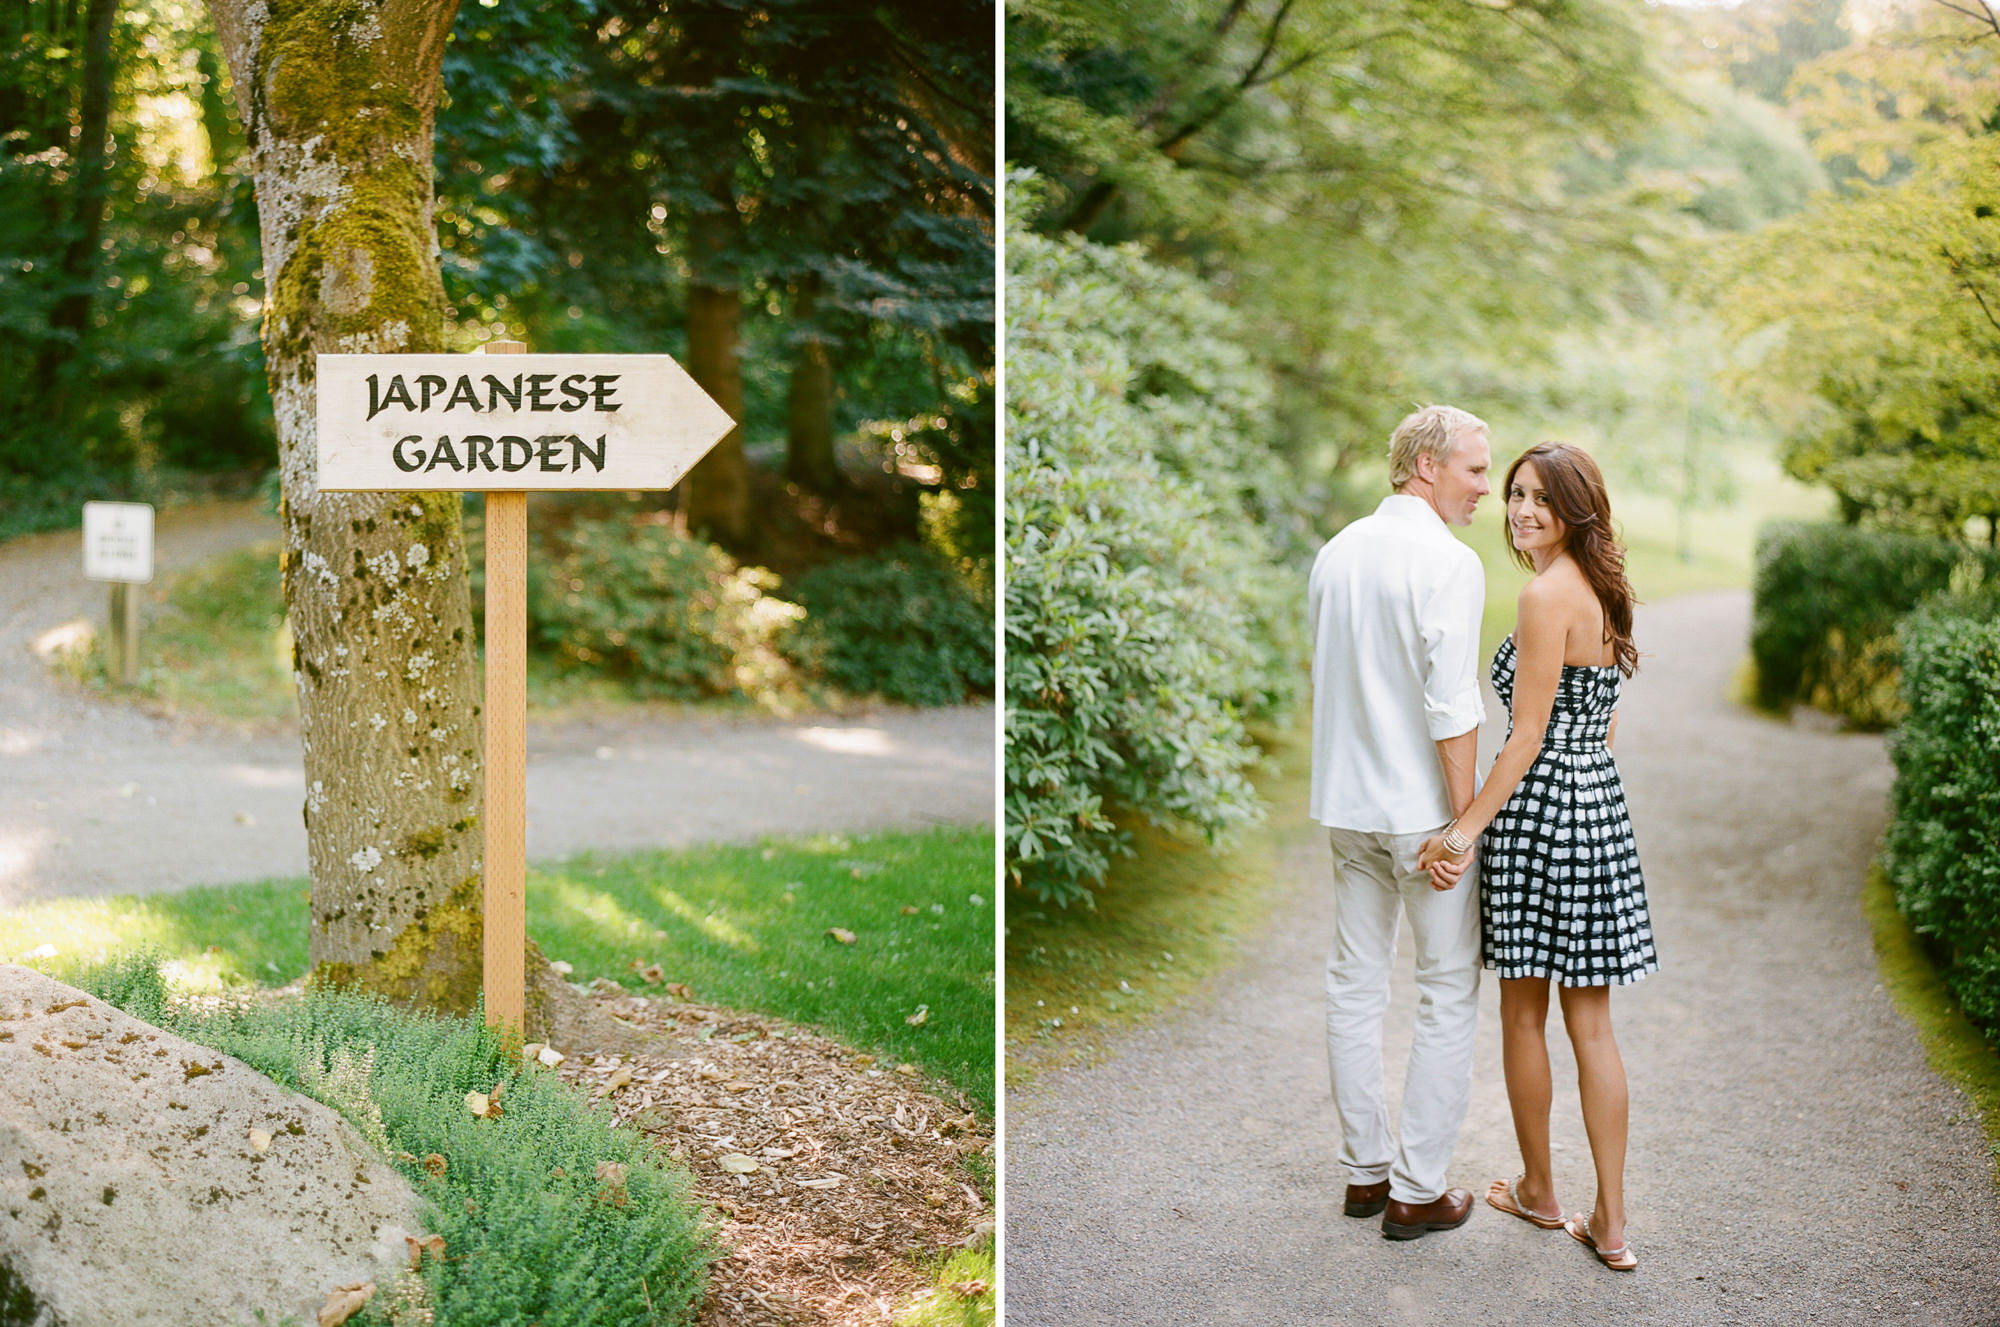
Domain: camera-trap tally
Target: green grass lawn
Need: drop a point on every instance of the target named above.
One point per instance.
(213, 639)
(740, 926)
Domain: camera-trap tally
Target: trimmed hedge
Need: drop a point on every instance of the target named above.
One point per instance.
(1828, 598)
(1942, 851)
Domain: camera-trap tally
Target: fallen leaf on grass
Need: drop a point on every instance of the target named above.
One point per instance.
(968, 1289)
(679, 990)
(841, 934)
(343, 1302)
(649, 972)
(434, 1164)
(417, 1247)
(738, 1164)
(907, 1070)
(911, 910)
(260, 1141)
(480, 1105)
(921, 1017)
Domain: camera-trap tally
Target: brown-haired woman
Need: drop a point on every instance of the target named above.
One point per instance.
(1561, 895)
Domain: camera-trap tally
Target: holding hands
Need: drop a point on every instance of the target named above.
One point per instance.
(1445, 856)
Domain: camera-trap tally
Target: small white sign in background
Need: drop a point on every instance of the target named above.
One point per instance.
(118, 542)
(510, 423)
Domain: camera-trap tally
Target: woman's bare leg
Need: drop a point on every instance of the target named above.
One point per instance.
(1524, 1047)
(1600, 1080)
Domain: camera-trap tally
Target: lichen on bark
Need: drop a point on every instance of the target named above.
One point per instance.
(339, 107)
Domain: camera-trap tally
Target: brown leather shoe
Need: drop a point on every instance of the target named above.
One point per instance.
(1409, 1220)
(1366, 1199)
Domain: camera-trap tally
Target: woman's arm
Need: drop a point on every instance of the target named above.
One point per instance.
(1540, 633)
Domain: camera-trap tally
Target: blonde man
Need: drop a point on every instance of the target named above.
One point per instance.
(1394, 603)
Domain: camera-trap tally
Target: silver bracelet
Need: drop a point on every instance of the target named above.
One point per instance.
(1456, 843)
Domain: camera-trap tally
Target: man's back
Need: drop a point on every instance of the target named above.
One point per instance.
(1394, 603)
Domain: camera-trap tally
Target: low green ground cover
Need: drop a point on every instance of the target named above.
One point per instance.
(962, 1293)
(745, 926)
(535, 1231)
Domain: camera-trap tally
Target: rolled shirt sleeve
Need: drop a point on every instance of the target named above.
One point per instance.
(1450, 618)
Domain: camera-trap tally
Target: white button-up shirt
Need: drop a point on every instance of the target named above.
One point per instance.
(1394, 605)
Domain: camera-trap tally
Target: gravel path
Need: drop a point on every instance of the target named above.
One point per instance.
(1793, 1160)
(100, 798)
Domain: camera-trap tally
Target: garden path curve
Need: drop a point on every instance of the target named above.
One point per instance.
(1793, 1159)
(101, 798)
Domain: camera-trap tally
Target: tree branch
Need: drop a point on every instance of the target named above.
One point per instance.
(1984, 14)
(1958, 270)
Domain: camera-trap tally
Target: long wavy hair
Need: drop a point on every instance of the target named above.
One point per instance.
(1576, 492)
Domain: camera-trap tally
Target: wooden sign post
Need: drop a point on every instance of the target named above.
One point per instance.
(618, 423)
(118, 547)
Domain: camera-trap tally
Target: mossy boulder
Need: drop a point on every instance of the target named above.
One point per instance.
(147, 1181)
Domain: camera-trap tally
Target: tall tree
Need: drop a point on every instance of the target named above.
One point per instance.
(706, 62)
(1368, 182)
(81, 256)
(338, 99)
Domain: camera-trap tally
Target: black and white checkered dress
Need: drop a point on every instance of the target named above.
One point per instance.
(1561, 894)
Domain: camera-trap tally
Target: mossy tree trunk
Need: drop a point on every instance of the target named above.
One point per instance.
(337, 98)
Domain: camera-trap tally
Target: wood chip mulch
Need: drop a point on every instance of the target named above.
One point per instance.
(858, 1182)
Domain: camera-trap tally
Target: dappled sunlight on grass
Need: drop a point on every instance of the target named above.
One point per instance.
(751, 927)
(708, 923)
(755, 927)
(212, 937)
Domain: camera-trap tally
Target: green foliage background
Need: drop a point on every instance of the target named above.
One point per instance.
(1148, 619)
(1828, 604)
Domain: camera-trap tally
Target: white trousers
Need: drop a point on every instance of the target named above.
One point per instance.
(1375, 881)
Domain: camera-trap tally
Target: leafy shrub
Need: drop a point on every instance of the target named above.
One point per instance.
(530, 1234)
(673, 616)
(1940, 852)
(1149, 613)
(1827, 601)
(900, 623)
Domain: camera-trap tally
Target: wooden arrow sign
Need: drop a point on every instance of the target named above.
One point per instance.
(531, 422)
(508, 423)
